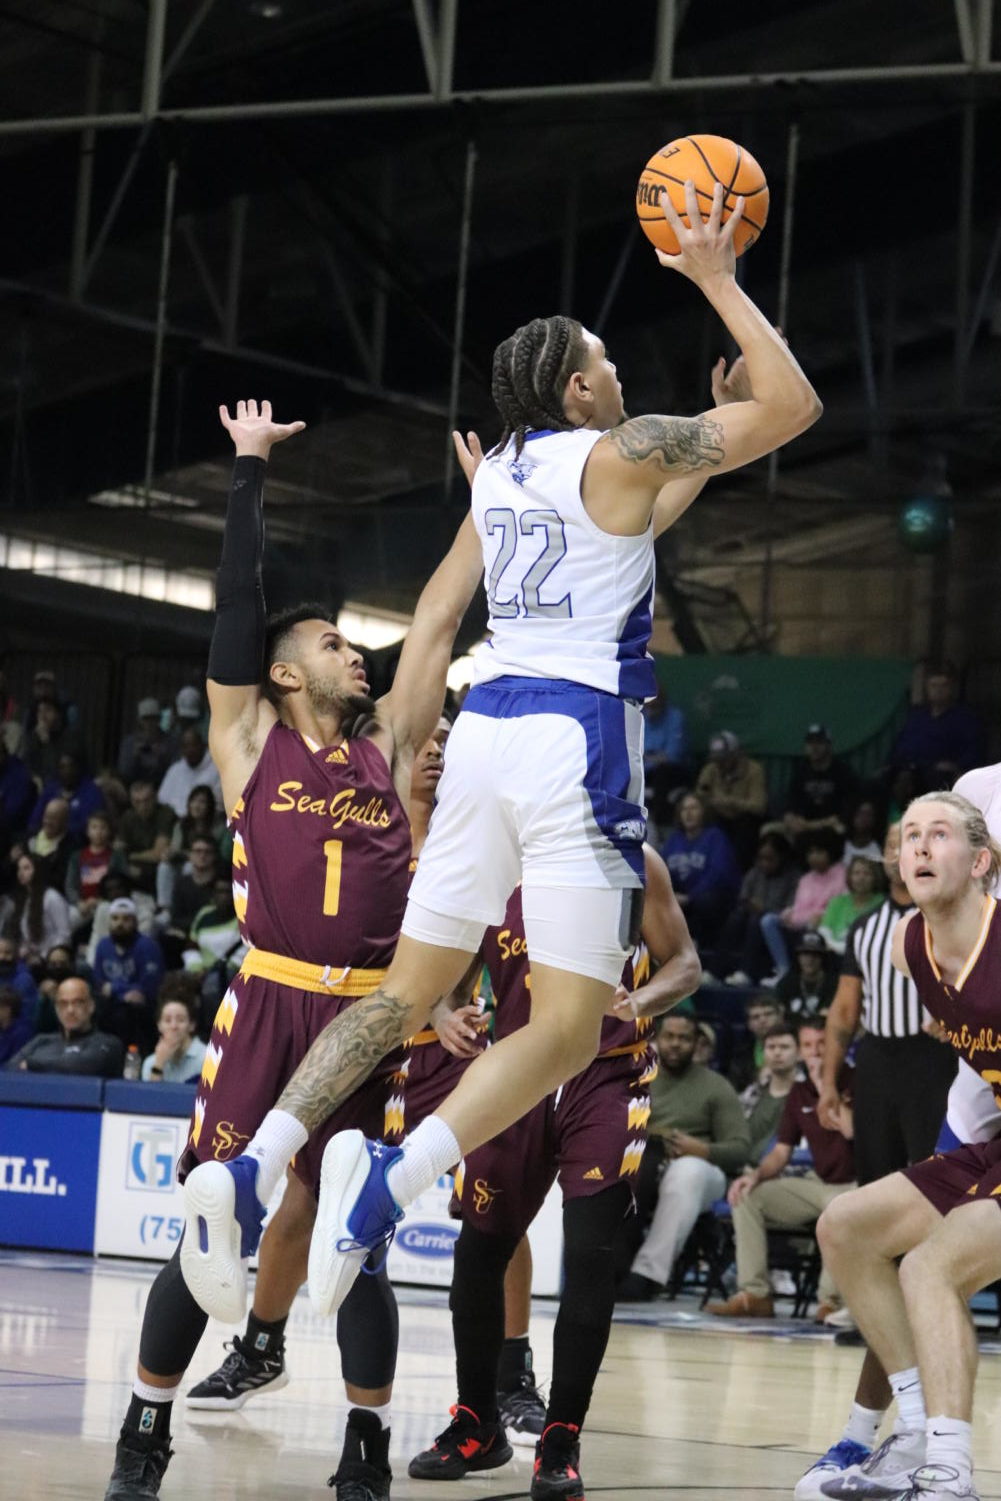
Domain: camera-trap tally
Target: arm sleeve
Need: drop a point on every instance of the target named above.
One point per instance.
(237, 650)
(731, 1141)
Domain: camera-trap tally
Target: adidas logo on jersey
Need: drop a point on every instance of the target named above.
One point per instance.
(595, 1175)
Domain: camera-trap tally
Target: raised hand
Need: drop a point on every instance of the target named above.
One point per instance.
(469, 452)
(730, 385)
(707, 245)
(254, 432)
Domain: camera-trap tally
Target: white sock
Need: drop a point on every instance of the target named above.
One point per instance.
(863, 1425)
(427, 1153)
(382, 1413)
(147, 1393)
(950, 1443)
(274, 1144)
(906, 1387)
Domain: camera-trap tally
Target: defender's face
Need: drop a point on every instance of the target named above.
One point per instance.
(329, 663)
(429, 764)
(602, 381)
(936, 861)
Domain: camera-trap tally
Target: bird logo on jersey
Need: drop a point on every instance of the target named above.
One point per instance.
(521, 470)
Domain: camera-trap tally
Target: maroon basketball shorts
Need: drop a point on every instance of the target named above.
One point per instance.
(589, 1134)
(262, 1031)
(963, 1176)
(424, 1077)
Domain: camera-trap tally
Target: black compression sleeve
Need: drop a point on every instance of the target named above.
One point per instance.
(236, 656)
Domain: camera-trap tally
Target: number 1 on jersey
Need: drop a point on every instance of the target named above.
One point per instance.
(334, 850)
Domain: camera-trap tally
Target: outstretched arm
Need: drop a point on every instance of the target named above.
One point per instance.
(240, 716)
(666, 935)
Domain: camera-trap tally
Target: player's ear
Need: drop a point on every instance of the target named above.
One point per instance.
(577, 394)
(285, 675)
(981, 864)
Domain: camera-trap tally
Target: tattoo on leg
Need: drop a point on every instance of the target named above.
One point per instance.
(676, 443)
(344, 1054)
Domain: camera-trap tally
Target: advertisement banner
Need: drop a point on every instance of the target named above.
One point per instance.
(48, 1177)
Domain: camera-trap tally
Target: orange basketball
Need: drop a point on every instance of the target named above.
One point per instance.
(704, 160)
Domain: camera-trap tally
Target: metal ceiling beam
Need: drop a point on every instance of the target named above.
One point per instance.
(612, 88)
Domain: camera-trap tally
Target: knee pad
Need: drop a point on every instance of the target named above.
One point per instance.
(368, 1332)
(172, 1324)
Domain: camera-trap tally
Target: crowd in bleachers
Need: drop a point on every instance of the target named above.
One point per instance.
(116, 880)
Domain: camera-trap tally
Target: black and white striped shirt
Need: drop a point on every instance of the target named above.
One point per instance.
(890, 1005)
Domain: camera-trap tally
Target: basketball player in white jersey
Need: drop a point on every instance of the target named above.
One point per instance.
(544, 778)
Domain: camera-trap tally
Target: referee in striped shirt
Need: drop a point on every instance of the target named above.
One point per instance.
(902, 1075)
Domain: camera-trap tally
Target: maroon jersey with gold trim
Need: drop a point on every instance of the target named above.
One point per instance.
(321, 853)
(969, 1010)
(505, 954)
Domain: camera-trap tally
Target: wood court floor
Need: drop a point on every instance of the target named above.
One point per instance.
(681, 1409)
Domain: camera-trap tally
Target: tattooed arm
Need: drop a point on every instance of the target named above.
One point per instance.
(629, 467)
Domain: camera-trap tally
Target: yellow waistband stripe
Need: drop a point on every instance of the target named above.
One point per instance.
(324, 979)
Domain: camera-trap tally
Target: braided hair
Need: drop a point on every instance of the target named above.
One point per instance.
(530, 371)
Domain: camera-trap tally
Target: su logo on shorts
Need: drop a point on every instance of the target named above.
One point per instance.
(226, 1141)
(483, 1195)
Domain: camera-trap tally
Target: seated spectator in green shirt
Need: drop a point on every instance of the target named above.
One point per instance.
(866, 889)
(764, 1101)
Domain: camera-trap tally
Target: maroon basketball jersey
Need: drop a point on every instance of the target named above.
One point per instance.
(969, 1010)
(505, 954)
(321, 853)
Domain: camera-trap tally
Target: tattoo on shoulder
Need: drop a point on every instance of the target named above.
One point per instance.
(685, 443)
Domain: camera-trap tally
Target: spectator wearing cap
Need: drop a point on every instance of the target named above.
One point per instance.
(824, 878)
(941, 737)
(116, 885)
(194, 768)
(807, 987)
(81, 794)
(769, 886)
(78, 1047)
(821, 790)
(704, 870)
(866, 888)
(665, 754)
(189, 710)
(128, 969)
(146, 752)
(732, 786)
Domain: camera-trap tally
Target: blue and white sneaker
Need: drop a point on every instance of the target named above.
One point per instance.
(886, 1473)
(356, 1215)
(224, 1218)
(840, 1456)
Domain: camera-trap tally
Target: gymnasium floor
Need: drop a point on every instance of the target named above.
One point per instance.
(681, 1410)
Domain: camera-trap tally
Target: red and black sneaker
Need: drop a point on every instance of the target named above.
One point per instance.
(557, 1464)
(465, 1446)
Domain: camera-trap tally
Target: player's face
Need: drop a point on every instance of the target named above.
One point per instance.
(429, 764)
(603, 383)
(936, 862)
(333, 672)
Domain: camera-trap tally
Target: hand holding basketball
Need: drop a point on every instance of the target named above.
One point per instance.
(705, 246)
(707, 161)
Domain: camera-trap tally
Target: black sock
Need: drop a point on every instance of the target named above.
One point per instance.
(149, 1419)
(515, 1364)
(263, 1339)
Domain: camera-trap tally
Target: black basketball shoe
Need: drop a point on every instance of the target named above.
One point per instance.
(522, 1411)
(140, 1463)
(363, 1473)
(557, 1464)
(242, 1375)
(466, 1445)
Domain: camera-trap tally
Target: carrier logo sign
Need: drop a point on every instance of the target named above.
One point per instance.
(153, 1150)
(17, 1177)
(428, 1240)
